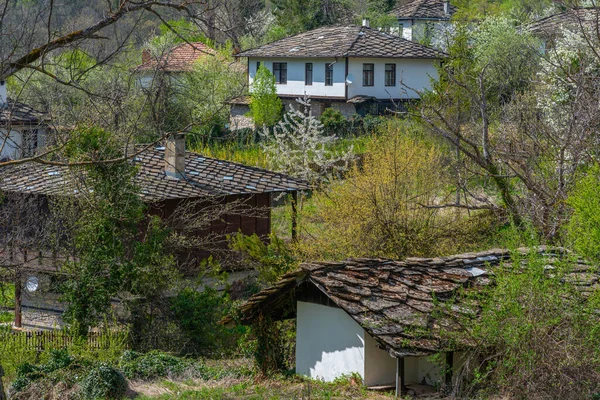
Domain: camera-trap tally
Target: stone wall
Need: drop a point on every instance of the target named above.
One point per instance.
(347, 109)
(238, 117)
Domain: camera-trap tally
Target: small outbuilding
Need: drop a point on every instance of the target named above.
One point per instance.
(384, 319)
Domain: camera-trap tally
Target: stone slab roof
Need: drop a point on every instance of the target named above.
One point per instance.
(344, 41)
(203, 176)
(422, 9)
(394, 300)
(573, 19)
(16, 113)
(180, 59)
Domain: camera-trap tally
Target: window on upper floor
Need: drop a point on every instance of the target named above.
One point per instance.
(308, 74)
(368, 74)
(328, 74)
(29, 142)
(280, 72)
(390, 74)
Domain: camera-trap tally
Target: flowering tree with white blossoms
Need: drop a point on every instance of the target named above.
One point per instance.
(298, 146)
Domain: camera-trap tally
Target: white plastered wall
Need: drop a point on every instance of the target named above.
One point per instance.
(11, 146)
(380, 367)
(328, 342)
(295, 85)
(415, 73)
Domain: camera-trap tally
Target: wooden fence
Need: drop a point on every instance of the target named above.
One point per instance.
(45, 340)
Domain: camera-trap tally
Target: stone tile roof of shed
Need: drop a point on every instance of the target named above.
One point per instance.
(574, 18)
(344, 41)
(16, 113)
(180, 59)
(394, 300)
(203, 176)
(422, 9)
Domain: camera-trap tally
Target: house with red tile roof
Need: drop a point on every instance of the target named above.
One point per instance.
(179, 59)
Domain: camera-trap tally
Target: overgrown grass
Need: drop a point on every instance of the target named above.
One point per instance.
(14, 353)
(278, 387)
(253, 154)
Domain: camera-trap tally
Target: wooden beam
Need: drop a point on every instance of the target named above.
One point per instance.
(399, 376)
(18, 319)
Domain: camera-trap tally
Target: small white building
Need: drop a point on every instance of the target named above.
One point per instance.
(353, 69)
(23, 130)
(385, 319)
(421, 20)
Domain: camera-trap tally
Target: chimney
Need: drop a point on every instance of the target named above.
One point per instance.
(366, 23)
(146, 56)
(175, 156)
(2, 92)
(447, 7)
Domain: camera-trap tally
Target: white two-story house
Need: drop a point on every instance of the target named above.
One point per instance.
(354, 69)
(420, 20)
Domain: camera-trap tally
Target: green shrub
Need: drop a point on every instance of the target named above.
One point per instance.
(334, 122)
(151, 365)
(538, 336)
(197, 315)
(57, 359)
(270, 260)
(103, 382)
(584, 227)
(371, 123)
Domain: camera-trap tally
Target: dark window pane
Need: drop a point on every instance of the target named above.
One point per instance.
(390, 74)
(280, 72)
(328, 74)
(368, 74)
(308, 74)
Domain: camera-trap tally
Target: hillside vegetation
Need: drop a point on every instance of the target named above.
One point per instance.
(502, 152)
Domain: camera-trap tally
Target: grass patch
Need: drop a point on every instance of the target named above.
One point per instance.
(275, 388)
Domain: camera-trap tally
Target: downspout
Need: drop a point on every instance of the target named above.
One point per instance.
(345, 83)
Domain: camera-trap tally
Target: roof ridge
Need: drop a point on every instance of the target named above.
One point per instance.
(396, 38)
(358, 35)
(251, 167)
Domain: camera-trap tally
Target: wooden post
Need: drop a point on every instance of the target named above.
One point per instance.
(18, 319)
(399, 376)
(294, 216)
(449, 368)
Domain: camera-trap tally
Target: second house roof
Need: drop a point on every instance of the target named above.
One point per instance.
(344, 41)
(423, 9)
(204, 176)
